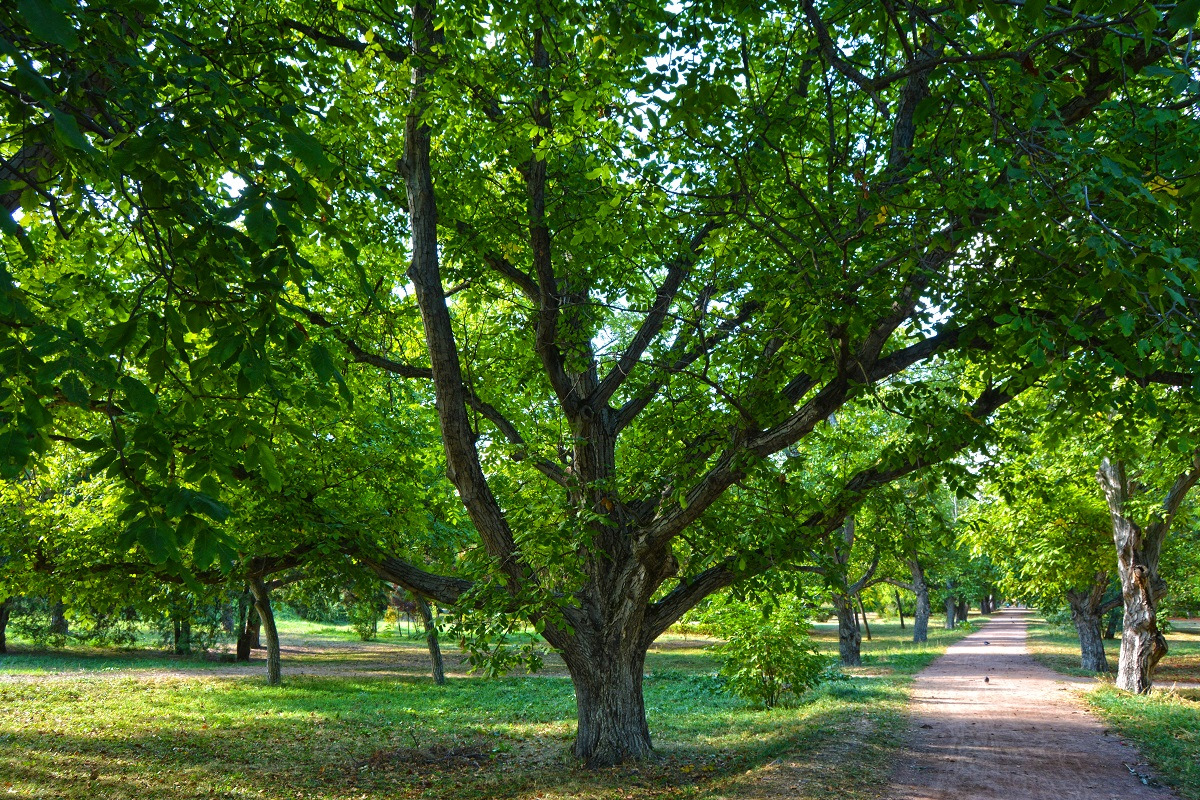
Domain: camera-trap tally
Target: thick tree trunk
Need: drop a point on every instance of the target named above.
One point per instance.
(5, 610)
(58, 619)
(922, 611)
(610, 707)
(1138, 551)
(262, 603)
(431, 639)
(1087, 623)
(963, 611)
(849, 637)
(951, 608)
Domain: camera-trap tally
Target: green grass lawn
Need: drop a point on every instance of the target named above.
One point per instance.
(132, 724)
(1164, 725)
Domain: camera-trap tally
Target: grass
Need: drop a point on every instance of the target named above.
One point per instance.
(1165, 724)
(368, 724)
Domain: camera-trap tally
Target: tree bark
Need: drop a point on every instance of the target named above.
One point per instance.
(58, 619)
(1138, 551)
(609, 705)
(866, 625)
(262, 603)
(431, 639)
(922, 611)
(849, 637)
(5, 610)
(951, 608)
(1085, 614)
(963, 611)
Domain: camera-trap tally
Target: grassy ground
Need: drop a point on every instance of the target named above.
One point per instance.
(1164, 725)
(366, 723)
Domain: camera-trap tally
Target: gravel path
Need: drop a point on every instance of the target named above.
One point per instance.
(1021, 735)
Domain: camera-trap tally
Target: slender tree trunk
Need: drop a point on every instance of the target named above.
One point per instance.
(1114, 616)
(5, 610)
(900, 609)
(1138, 551)
(951, 606)
(245, 610)
(849, 637)
(866, 625)
(431, 639)
(1087, 623)
(262, 602)
(609, 704)
(922, 611)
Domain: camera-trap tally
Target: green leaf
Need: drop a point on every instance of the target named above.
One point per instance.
(48, 23)
(68, 130)
(140, 399)
(14, 453)
(156, 539)
(74, 390)
(1183, 16)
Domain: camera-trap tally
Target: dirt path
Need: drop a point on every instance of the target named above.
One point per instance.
(1023, 734)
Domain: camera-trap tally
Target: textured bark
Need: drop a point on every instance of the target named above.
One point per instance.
(262, 603)
(431, 639)
(962, 612)
(5, 610)
(610, 707)
(951, 605)
(849, 637)
(923, 610)
(1138, 550)
(1085, 614)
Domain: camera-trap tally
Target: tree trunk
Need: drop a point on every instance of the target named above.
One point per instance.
(610, 707)
(58, 619)
(866, 625)
(1138, 551)
(964, 607)
(900, 609)
(5, 610)
(245, 610)
(431, 638)
(951, 605)
(922, 611)
(1087, 623)
(849, 637)
(1110, 629)
(262, 603)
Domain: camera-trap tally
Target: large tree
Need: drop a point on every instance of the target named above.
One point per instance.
(650, 249)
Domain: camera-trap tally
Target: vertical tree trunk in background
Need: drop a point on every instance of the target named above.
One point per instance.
(245, 610)
(922, 611)
(866, 625)
(1110, 629)
(431, 639)
(1087, 624)
(1138, 551)
(262, 603)
(961, 614)
(849, 637)
(5, 610)
(951, 606)
(58, 619)
(227, 617)
(900, 609)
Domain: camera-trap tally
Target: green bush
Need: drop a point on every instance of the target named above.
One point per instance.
(768, 660)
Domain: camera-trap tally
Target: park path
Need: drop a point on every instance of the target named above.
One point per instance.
(1023, 734)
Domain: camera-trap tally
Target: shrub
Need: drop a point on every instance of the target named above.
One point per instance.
(768, 659)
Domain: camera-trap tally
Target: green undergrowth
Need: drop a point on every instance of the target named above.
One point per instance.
(1164, 725)
(84, 729)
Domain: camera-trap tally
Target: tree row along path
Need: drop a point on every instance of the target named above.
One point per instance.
(1023, 733)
